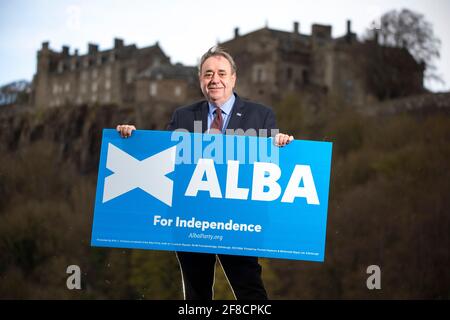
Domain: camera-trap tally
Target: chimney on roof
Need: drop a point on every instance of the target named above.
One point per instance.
(348, 36)
(296, 27)
(118, 43)
(236, 32)
(45, 45)
(76, 52)
(92, 48)
(65, 50)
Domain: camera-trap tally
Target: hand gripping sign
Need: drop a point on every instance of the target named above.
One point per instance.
(225, 194)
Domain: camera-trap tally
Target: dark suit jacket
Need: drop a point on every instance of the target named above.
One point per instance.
(244, 115)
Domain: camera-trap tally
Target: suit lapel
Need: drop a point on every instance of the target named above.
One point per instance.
(237, 112)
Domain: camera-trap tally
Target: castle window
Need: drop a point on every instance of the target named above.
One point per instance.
(94, 86)
(259, 73)
(129, 75)
(94, 73)
(108, 71)
(305, 76)
(73, 64)
(60, 67)
(153, 89)
(349, 90)
(289, 73)
(108, 84)
(177, 91)
(67, 87)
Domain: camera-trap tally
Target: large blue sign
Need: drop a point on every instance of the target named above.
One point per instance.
(227, 194)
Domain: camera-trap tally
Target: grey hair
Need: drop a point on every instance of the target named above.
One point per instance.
(217, 51)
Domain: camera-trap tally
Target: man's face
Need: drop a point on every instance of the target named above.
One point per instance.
(217, 80)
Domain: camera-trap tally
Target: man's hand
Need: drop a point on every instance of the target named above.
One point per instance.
(125, 130)
(282, 139)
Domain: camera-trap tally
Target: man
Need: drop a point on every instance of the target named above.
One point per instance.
(222, 110)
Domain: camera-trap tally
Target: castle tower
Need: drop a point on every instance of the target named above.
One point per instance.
(42, 76)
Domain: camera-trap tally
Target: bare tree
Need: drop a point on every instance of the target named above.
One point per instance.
(409, 30)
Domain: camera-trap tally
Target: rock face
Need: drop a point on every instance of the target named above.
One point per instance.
(75, 130)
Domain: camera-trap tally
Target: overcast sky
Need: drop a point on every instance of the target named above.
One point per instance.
(185, 28)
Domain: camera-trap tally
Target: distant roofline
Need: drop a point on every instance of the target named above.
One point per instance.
(292, 32)
(76, 50)
(301, 35)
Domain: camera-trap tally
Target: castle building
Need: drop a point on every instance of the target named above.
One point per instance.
(272, 64)
(114, 76)
(168, 84)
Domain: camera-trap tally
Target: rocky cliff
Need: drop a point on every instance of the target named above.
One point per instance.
(76, 131)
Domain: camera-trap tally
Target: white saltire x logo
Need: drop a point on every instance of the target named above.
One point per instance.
(148, 174)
